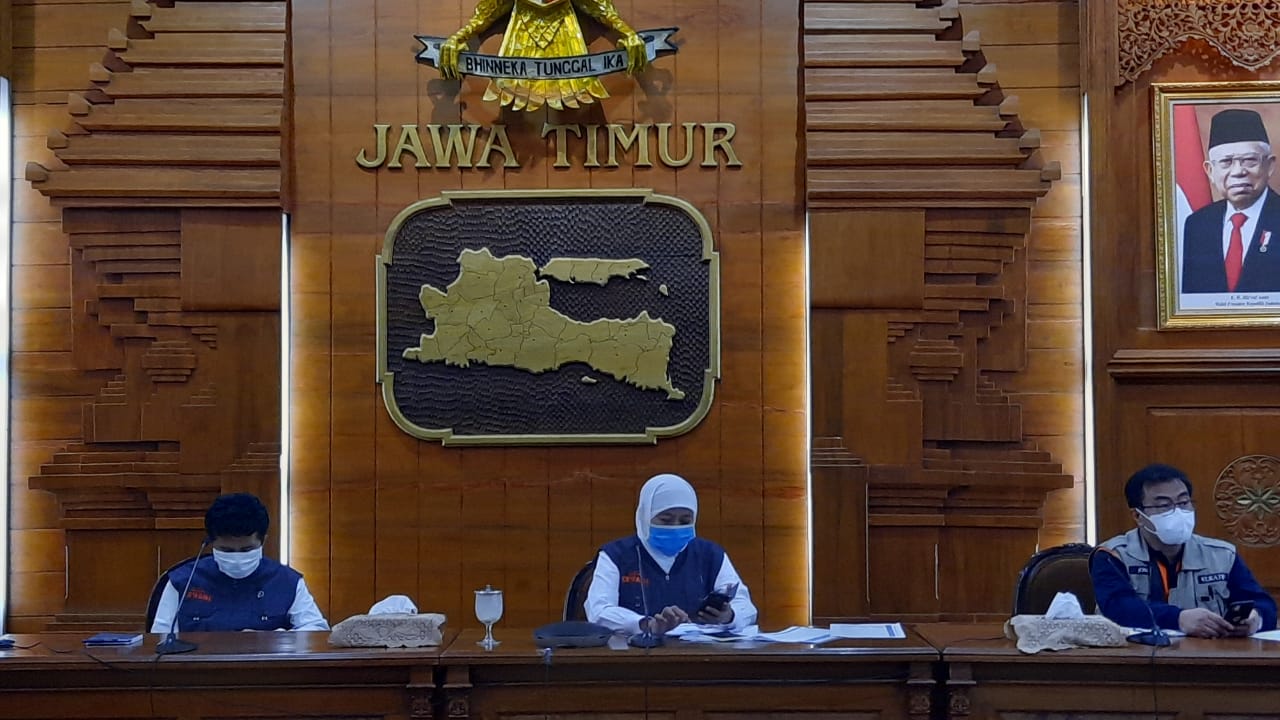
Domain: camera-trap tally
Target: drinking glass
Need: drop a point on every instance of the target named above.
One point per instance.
(488, 611)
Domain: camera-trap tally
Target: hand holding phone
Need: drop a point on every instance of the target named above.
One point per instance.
(717, 601)
(1238, 612)
(714, 601)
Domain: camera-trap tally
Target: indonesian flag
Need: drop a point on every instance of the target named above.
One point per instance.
(1191, 185)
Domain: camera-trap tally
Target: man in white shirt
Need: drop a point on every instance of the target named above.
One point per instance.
(237, 588)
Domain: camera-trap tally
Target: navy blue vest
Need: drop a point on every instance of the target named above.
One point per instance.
(644, 587)
(219, 602)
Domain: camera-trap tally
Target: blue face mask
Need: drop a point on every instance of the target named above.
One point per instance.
(670, 540)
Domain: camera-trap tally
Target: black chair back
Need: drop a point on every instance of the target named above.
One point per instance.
(1058, 569)
(157, 591)
(577, 594)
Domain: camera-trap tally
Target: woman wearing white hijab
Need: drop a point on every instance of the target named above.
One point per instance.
(657, 578)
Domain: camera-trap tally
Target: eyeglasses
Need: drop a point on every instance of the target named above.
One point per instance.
(1248, 162)
(1165, 507)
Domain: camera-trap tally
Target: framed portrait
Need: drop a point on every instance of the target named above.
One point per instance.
(1217, 208)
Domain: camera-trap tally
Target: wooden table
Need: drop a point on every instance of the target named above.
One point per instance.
(885, 678)
(231, 675)
(988, 677)
(269, 676)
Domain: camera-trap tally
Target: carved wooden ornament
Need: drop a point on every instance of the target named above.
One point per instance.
(1247, 498)
(1245, 33)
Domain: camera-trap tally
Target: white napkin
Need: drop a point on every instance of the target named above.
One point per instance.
(1065, 606)
(394, 605)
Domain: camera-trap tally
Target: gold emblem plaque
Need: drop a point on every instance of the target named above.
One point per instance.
(548, 317)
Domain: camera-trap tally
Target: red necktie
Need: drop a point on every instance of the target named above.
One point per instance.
(1235, 252)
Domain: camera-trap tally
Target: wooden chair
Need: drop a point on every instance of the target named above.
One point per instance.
(577, 593)
(1058, 569)
(157, 591)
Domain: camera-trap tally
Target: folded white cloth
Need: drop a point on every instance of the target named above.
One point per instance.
(394, 605)
(1065, 606)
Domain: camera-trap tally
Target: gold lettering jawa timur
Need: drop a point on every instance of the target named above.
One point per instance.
(543, 29)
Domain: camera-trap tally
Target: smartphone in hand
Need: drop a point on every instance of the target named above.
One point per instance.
(1238, 612)
(717, 600)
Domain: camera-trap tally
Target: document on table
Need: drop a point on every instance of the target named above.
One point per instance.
(693, 632)
(1267, 635)
(690, 632)
(689, 628)
(797, 634)
(869, 631)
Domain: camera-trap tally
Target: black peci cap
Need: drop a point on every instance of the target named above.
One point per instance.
(1231, 126)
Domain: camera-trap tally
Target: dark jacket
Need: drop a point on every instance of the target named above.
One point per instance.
(1203, 267)
(218, 602)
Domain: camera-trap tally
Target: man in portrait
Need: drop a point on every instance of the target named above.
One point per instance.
(1233, 245)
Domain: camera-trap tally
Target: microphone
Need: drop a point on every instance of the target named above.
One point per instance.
(171, 645)
(645, 638)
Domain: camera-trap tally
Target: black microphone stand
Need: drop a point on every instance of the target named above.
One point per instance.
(646, 638)
(171, 645)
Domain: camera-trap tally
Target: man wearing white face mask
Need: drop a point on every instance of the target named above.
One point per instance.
(657, 578)
(237, 588)
(1161, 570)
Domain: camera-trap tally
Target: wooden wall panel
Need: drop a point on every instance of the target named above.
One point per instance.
(146, 340)
(6, 38)
(379, 512)
(936, 385)
(1196, 399)
(375, 512)
(1035, 46)
(47, 388)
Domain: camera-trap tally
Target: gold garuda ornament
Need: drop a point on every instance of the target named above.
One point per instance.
(543, 59)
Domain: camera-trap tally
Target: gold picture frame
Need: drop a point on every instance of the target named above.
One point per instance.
(1215, 268)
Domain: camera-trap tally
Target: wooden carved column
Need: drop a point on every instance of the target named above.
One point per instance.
(920, 183)
(170, 187)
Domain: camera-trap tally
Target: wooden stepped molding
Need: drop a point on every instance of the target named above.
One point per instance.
(908, 83)
(190, 114)
(185, 82)
(830, 452)
(920, 179)
(882, 50)
(879, 83)
(834, 187)
(181, 417)
(922, 115)
(109, 186)
(204, 49)
(185, 109)
(912, 148)
(222, 17)
(140, 148)
(887, 17)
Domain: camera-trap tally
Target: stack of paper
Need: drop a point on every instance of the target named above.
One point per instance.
(113, 639)
(797, 634)
(690, 632)
(869, 631)
(693, 632)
